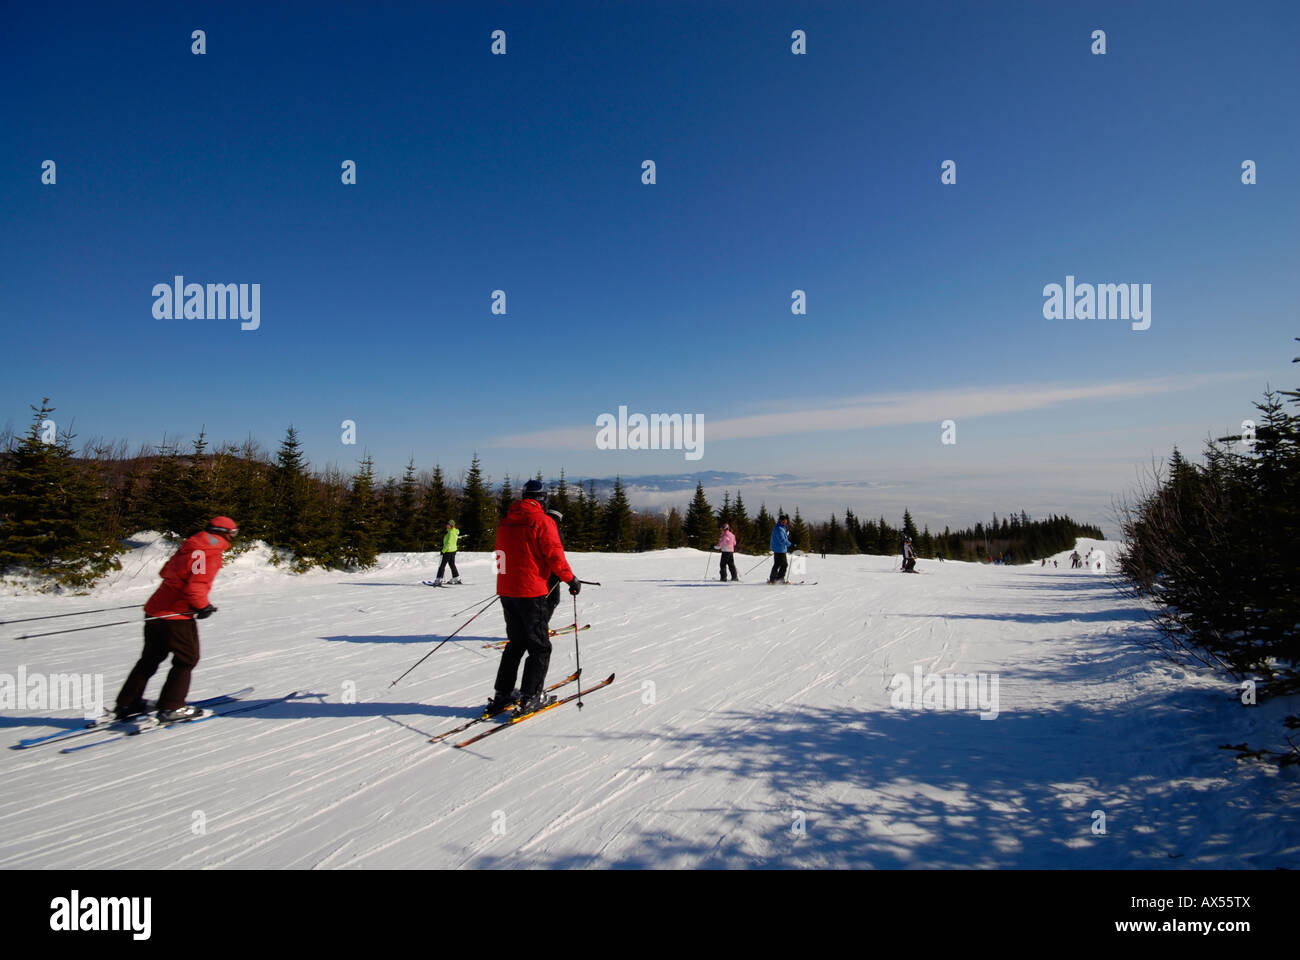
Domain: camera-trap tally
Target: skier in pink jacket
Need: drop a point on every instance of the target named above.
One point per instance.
(727, 544)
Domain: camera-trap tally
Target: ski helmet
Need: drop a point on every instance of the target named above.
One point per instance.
(535, 490)
(784, 518)
(726, 526)
(223, 527)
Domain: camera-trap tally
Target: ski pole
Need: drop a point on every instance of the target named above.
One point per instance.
(761, 561)
(453, 633)
(97, 626)
(577, 654)
(706, 565)
(590, 583)
(473, 605)
(55, 616)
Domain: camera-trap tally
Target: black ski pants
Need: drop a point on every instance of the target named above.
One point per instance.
(178, 639)
(526, 619)
(778, 567)
(448, 558)
(728, 563)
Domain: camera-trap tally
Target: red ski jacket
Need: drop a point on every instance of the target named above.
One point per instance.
(530, 551)
(187, 577)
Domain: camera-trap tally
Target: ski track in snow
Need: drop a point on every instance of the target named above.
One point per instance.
(739, 711)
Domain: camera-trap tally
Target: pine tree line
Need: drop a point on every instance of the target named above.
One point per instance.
(1214, 546)
(66, 515)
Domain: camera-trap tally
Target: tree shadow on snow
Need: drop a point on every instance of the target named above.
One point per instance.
(904, 788)
(1064, 616)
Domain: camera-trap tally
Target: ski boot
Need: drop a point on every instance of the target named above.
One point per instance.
(181, 714)
(137, 709)
(534, 703)
(499, 704)
(455, 579)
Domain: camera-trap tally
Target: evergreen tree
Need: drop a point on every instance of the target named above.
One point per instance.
(478, 515)
(674, 535)
(292, 514)
(436, 508)
(559, 496)
(52, 511)
(576, 534)
(592, 518)
(406, 535)
(763, 524)
(390, 534)
(244, 482)
(162, 507)
(741, 525)
(197, 488)
(837, 538)
(507, 497)
(618, 521)
(361, 524)
(799, 532)
(324, 540)
(909, 526)
(701, 529)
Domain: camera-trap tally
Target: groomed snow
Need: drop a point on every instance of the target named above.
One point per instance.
(741, 713)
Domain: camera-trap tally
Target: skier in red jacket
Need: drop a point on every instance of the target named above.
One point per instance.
(177, 603)
(528, 552)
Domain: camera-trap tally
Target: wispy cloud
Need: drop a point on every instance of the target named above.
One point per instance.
(895, 409)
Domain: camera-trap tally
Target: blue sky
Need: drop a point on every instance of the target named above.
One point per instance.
(775, 172)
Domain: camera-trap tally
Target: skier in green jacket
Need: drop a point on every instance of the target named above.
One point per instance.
(448, 554)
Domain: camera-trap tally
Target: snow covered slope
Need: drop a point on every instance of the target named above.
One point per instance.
(750, 726)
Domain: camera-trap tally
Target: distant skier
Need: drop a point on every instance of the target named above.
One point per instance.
(909, 556)
(1074, 560)
(727, 546)
(781, 545)
(529, 551)
(177, 603)
(450, 541)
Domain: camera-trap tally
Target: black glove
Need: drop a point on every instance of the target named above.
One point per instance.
(575, 586)
(206, 612)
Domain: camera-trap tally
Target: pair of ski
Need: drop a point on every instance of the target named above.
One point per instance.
(571, 678)
(110, 722)
(445, 583)
(149, 724)
(500, 644)
(141, 723)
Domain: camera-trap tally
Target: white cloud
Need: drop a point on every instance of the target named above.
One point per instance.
(892, 409)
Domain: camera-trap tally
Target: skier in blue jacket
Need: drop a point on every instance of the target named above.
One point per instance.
(780, 547)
